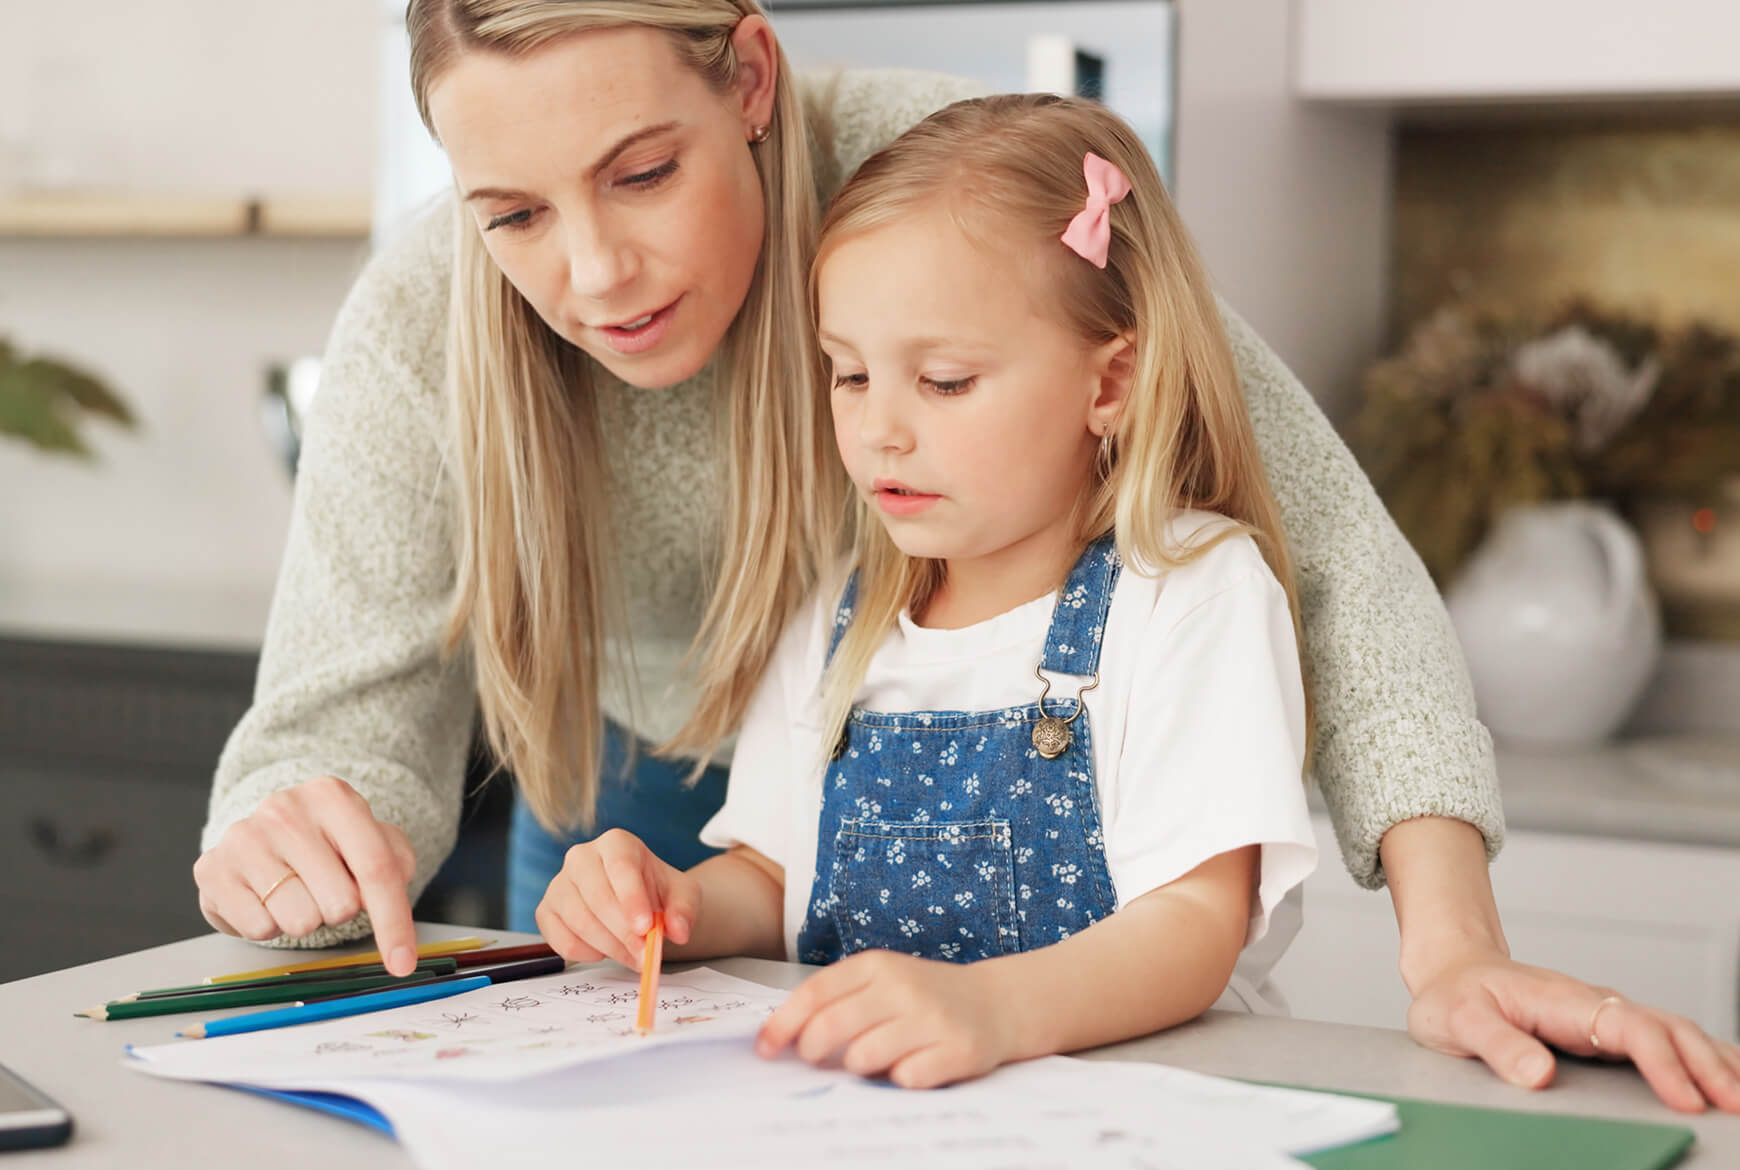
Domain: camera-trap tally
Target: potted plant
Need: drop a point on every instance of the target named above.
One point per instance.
(44, 402)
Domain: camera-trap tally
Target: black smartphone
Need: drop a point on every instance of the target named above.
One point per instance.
(27, 1116)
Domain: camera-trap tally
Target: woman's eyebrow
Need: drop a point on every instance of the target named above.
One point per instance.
(609, 156)
(628, 141)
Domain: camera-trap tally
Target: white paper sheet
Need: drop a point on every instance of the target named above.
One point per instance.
(517, 1076)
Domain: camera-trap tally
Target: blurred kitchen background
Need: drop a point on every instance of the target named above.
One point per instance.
(1498, 240)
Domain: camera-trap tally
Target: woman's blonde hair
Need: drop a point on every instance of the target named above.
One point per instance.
(1008, 172)
(535, 592)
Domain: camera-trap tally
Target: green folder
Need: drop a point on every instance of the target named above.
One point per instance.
(1436, 1136)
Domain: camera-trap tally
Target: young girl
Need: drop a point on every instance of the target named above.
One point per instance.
(1031, 779)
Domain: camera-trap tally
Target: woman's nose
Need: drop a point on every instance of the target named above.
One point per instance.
(600, 261)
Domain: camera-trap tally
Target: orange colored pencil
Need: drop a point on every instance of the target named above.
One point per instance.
(650, 959)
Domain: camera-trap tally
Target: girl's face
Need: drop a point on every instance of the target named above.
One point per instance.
(615, 188)
(962, 410)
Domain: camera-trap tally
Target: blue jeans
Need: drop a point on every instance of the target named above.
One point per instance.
(650, 800)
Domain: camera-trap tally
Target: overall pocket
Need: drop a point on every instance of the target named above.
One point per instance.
(940, 890)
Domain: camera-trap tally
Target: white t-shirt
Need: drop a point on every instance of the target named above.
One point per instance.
(1198, 732)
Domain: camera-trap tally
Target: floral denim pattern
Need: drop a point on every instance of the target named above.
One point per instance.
(945, 834)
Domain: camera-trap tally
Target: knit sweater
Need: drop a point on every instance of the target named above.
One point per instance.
(353, 683)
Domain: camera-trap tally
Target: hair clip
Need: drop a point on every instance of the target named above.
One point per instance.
(1089, 234)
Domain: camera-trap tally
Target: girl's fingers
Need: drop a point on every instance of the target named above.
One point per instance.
(348, 822)
(926, 1068)
(680, 895)
(578, 914)
(625, 864)
(879, 1048)
(793, 1018)
(592, 885)
(564, 941)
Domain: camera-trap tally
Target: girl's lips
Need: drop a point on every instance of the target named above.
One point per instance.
(633, 341)
(903, 503)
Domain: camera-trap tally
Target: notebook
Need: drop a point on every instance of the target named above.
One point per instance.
(1436, 1136)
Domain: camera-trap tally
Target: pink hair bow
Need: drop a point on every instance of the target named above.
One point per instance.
(1089, 234)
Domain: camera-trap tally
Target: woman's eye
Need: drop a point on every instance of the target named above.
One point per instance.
(950, 385)
(512, 219)
(851, 381)
(652, 178)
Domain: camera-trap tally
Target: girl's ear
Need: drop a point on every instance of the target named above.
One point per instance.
(757, 72)
(1114, 365)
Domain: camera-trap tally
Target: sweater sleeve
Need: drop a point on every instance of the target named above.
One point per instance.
(1397, 735)
(352, 682)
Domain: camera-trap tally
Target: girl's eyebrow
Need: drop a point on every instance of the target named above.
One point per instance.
(622, 144)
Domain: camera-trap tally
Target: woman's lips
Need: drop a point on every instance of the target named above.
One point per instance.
(634, 341)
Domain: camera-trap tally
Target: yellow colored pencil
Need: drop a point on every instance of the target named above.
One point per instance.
(452, 946)
(651, 958)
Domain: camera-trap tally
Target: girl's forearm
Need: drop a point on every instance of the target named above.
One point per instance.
(1442, 892)
(742, 909)
(1163, 959)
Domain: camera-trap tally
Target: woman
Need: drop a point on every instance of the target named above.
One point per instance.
(638, 184)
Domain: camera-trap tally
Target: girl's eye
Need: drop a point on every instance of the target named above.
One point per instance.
(851, 381)
(512, 219)
(950, 385)
(646, 180)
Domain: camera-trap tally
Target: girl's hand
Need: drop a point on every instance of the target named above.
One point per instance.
(922, 1022)
(1493, 1007)
(309, 856)
(601, 903)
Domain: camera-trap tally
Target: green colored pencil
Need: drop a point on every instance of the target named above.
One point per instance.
(443, 965)
(289, 992)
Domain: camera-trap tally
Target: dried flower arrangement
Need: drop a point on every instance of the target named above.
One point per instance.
(1481, 411)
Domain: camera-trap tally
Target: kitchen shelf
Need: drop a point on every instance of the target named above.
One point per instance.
(1424, 52)
(96, 215)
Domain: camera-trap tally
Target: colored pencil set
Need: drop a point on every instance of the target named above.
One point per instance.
(329, 988)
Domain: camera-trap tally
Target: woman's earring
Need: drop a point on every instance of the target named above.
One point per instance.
(760, 133)
(1104, 459)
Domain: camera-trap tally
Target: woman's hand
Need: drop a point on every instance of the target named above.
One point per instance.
(310, 856)
(600, 905)
(1500, 1010)
(922, 1022)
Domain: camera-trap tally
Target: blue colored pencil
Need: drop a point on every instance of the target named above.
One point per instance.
(329, 1009)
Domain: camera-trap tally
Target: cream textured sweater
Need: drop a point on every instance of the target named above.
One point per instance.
(352, 682)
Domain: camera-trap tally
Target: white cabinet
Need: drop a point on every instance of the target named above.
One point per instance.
(1659, 922)
(1515, 50)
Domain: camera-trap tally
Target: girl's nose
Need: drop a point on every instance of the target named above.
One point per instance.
(882, 424)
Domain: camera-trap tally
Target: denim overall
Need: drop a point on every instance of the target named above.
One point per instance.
(946, 834)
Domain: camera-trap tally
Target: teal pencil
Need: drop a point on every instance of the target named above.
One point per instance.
(308, 1013)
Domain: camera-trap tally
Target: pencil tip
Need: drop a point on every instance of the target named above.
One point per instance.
(95, 1013)
(196, 1032)
(130, 997)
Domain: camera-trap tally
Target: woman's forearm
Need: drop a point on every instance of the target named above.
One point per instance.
(1161, 960)
(742, 909)
(1438, 880)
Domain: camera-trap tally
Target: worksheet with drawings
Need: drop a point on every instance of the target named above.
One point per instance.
(493, 1033)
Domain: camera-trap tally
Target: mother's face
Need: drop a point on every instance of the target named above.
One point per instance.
(615, 188)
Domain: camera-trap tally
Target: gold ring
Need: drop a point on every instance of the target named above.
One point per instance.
(1594, 1016)
(273, 888)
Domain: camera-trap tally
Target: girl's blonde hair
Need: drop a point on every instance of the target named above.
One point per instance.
(535, 593)
(1008, 172)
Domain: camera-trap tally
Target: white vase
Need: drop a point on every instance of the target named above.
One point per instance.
(1558, 623)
